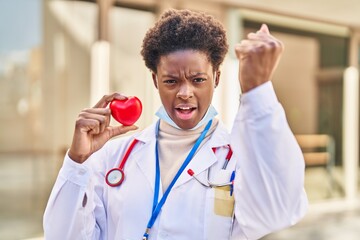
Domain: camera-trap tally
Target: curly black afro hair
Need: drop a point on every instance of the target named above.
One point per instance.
(184, 29)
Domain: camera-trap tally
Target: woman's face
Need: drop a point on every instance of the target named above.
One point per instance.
(186, 81)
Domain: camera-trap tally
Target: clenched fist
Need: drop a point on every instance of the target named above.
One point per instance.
(258, 57)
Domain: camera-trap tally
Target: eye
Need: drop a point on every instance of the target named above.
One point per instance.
(169, 81)
(199, 80)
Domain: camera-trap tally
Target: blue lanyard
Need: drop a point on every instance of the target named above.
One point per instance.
(157, 206)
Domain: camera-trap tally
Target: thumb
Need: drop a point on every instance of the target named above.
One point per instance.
(118, 130)
(264, 28)
(237, 50)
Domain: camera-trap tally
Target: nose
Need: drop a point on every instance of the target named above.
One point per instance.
(185, 91)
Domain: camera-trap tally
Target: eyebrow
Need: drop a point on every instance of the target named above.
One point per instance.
(168, 76)
(176, 76)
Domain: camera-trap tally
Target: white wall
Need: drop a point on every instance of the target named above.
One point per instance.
(129, 74)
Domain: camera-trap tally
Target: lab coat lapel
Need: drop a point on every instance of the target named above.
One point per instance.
(205, 156)
(145, 156)
(202, 160)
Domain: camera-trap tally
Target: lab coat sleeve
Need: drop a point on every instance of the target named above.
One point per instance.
(268, 190)
(73, 204)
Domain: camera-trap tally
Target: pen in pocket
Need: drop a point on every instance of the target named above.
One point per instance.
(228, 157)
(232, 178)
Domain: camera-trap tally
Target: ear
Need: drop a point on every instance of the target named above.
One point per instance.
(217, 78)
(154, 79)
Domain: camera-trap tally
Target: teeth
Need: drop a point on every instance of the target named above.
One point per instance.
(185, 108)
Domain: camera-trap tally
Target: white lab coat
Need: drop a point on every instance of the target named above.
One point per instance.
(268, 188)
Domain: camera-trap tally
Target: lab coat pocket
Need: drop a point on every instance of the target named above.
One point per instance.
(219, 209)
(223, 201)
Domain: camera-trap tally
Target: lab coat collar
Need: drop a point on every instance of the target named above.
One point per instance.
(219, 138)
(204, 158)
(145, 155)
(148, 134)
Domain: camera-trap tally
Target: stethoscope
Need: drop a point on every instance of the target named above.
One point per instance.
(210, 184)
(116, 176)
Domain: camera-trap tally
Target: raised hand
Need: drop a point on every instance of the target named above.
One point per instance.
(258, 57)
(93, 130)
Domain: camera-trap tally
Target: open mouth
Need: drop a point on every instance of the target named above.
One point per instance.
(185, 109)
(185, 112)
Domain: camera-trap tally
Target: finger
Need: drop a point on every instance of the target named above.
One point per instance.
(100, 111)
(106, 99)
(264, 28)
(254, 45)
(118, 130)
(88, 126)
(103, 120)
(237, 50)
(250, 42)
(247, 46)
(242, 49)
(120, 96)
(261, 36)
(95, 130)
(263, 31)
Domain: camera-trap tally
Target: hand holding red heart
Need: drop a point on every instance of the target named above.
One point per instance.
(258, 57)
(93, 130)
(126, 111)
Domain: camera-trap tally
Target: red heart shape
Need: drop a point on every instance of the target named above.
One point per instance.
(126, 111)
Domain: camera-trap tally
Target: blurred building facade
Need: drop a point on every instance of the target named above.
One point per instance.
(89, 48)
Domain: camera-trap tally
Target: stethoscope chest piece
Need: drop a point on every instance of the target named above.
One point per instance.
(115, 177)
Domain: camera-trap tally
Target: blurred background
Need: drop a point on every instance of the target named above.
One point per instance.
(60, 56)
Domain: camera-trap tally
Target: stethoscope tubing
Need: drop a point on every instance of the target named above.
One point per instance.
(126, 156)
(115, 176)
(121, 175)
(208, 183)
